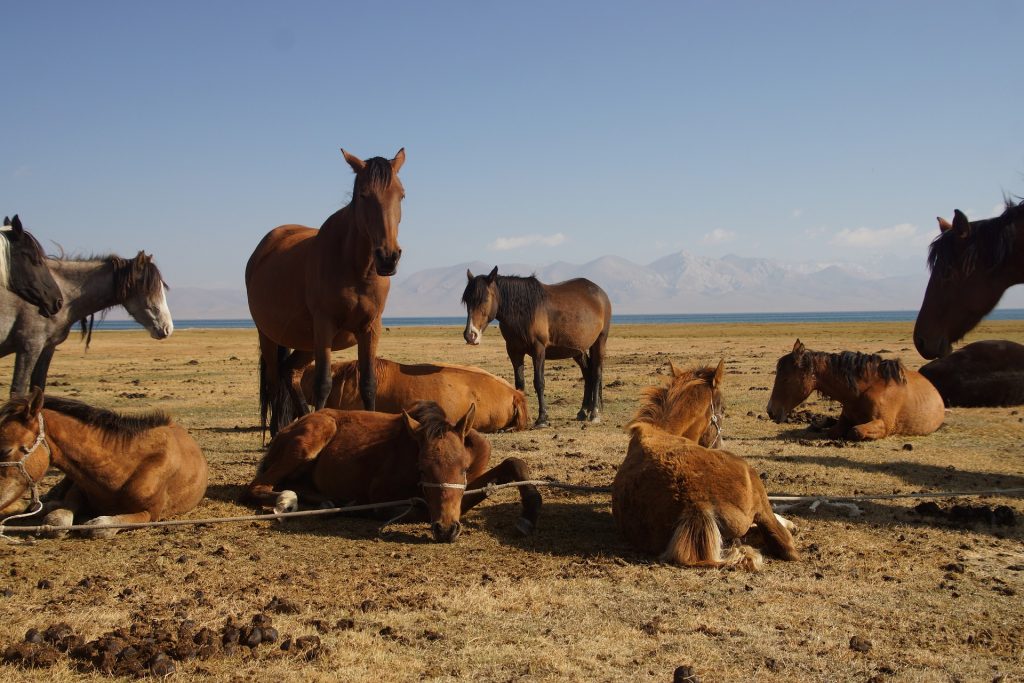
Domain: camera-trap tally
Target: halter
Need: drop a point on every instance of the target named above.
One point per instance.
(442, 485)
(36, 505)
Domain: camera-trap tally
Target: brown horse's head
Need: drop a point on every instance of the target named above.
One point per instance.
(24, 452)
(377, 202)
(794, 382)
(690, 406)
(481, 299)
(23, 269)
(443, 464)
(971, 267)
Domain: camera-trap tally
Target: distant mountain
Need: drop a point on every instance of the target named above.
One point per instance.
(676, 283)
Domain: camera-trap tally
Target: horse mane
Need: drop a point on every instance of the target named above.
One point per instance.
(854, 366)
(376, 175)
(36, 253)
(988, 245)
(433, 423)
(115, 424)
(659, 404)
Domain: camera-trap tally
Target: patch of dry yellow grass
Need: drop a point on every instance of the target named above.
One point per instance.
(572, 602)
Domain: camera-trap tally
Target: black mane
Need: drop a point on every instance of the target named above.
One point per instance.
(115, 424)
(854, 366)
(988, 245)
(433, 423)
(519, 298)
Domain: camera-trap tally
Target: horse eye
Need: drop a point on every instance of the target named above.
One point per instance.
(23, 449)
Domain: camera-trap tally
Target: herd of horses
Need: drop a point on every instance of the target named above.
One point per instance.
(371, 430)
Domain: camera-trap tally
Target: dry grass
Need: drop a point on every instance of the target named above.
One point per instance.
(572, 602)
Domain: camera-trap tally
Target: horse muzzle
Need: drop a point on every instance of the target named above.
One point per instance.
(386, 263)
(446, 534)
(932, 348)
(776, 414)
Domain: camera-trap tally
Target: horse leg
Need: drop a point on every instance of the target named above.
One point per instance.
(597, 378)
(869, 431)
(61, 504)
(24, 362)
(126, 518)
(774, 529)
(518, 359)
(367, 368)
(581, 360)
(839, 429)
(538, 386)
(42, 367)
(291, 375)
(297, 448)
(510, 469)
(272, 404)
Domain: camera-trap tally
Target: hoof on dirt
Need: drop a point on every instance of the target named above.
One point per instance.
(287, 501)
(59, 518)
(595, 420)
(101, 533)
(582, 415)
(541, 424)
(524, 526)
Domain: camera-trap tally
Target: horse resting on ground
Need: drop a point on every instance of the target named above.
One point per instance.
(879, 397)
(126, 469)
(358, 457)
(499, 406)
(972, 264)
(23, 269)
(565, 320)
(985, 373)
(314, 291)
(677, 496)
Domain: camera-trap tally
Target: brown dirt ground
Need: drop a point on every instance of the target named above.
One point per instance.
(573, 602)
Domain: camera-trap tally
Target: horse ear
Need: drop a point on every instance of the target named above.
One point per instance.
(7, 221)
(469, 275)
(961, 225)
(493, 274)
(399, 159)
(716, 380)
(676, 372)
(798, 347)
(16, 225)
(410, 424)
(355, 162)
(35, 401)
(466, 423)
(944, 225)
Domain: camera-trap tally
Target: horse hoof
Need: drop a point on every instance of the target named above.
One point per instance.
(541, 424)
(287, 501)
(101, 533)
(595, 420)
(582, 415)
(59, 518)
(524, 526)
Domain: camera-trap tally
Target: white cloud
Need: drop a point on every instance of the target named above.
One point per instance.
(507, 243)
(872, 238)
(797, 213)
(718, 236)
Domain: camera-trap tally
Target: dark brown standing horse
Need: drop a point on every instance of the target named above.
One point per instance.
(985, 373)
(972, 265)
(565, 320)
(314, 291)
(23, 269)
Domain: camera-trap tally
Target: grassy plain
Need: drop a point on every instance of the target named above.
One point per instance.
(573, 602)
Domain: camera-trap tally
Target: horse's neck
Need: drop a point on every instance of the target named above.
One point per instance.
(88, 286)
(75, 445)
(340, 238)
(829, 383)
(1016, 263)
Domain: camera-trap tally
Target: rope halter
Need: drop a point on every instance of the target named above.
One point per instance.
(442, 485)
(716, 423)
(36, 505)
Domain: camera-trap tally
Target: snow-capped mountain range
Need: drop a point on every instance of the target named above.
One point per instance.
(676, 283)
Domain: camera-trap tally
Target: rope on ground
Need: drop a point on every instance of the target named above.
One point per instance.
(486, 491)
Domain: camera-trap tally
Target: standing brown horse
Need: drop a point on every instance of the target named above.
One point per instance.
(565, 320)
(880, 397)
(125, 469)
(454, 388)
(356, 457)
(675, 495)
(972, 264)
(315, 291)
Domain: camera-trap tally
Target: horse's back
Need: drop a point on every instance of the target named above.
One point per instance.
(983, 373)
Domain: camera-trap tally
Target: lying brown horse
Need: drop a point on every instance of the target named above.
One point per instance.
(499, 406)
(985, 373)
(357, 457)
(565, 320)
(972, 264)
(880, 397)
(318, 290)
(126, 469)
(676, 496)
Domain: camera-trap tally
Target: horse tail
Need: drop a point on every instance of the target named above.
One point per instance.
(697, 542)
(777, 539)
(264, 399)
(520, 412)
(276, 406)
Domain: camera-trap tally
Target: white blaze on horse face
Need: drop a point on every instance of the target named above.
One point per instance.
(472, 334)
(153, 314)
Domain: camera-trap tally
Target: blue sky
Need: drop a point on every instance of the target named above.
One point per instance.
(535, 132)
